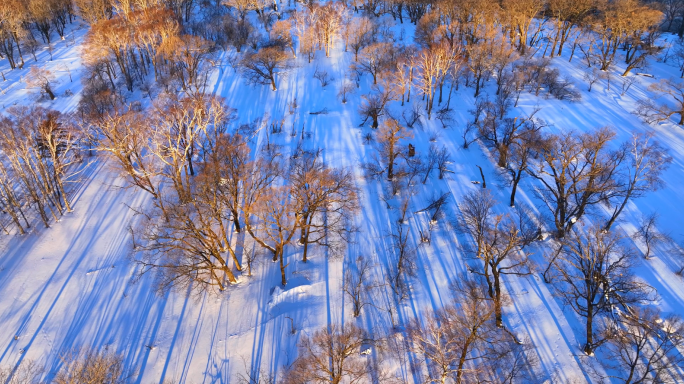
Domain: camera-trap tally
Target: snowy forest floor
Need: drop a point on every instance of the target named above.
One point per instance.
(72, 285)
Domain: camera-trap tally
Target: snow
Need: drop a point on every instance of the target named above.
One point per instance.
(73, 285)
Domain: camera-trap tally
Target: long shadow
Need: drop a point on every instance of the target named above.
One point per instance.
(176, 334)
(70, 274)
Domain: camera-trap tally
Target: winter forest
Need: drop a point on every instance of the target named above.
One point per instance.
(341, 191)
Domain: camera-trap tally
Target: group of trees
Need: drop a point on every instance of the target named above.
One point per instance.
(595, 272)
(206, 181)
(141, 42)
(22, 22)
(575, 171)
(213, 183)
(41, 158)
(77, 367)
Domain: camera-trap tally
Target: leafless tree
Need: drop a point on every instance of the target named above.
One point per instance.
(93, 11)
(261, 67)
(596, 277)
(28, 372)
(390, 138)
(124, 135)
(475, 214)
(520, 156)
(187, 247)
(376, 59)
(500, 133)
(567, 15)
(499, 243)
(12, 199)
(648, 233)
(357, 285)
(305, 25)
(331, 355)
(41, 148)
(358, 34)
(654, 112)
(592, 77)
(436, 205)
(404, 252)
(647, 160)
(42, 79)
(373, 104)
(345, 90)
(92, 366)
(330, 23)
(323, 77)
(188, 61)
(521, 15)
(462, 343)
(576, 171)
(272, 221)
(628, 82)
(237, 32)
(643, 347)
(183, 129)
(327, 199)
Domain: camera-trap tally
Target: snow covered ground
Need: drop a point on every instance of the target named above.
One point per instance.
(72, 285)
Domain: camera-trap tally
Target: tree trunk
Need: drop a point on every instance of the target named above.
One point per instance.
(516, 180)
(49, 92)
(589, 347)
(617, 212)
(497, 297)
(236, 221)
(280, 256)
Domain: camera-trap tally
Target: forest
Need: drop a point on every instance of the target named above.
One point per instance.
(341, 191)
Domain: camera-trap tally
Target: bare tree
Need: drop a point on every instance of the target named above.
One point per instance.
(404, 253)
(500, 133)
(329, 24)
(124, 136)
(331, 355)
(92, 366)
(592, 77)
(521, 15)
(499, 245)
(93, 11)
(186, 247)
(327, 199)
(520, 156)
(648, 233)
(375, 59)
(42, 79)
(462, 343)
(373, 105)
(596, 276)
(475, 214)
(653, 112)
(356, 285)
(576, 171)
(272, 220)
(27, 372)
(568, 14)
(390, 137)
(345, 90)
(261, 67)
(643, 347)
(642, 173)
(188, 59)
(184, 129)
(42, 150)
(237, 32)
(358, 34)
